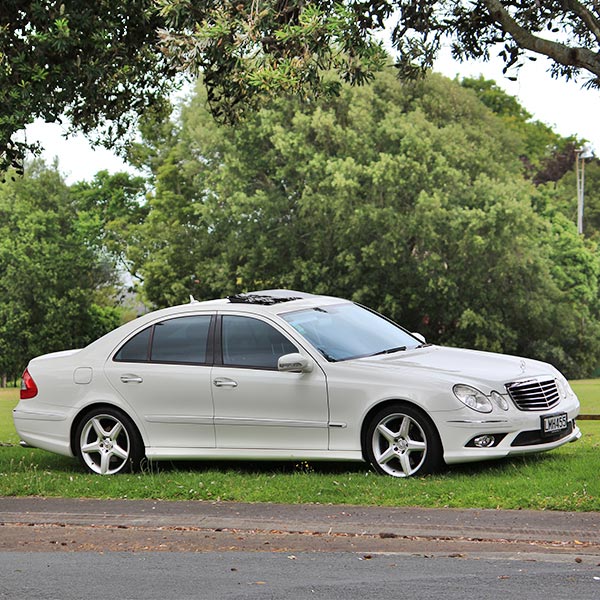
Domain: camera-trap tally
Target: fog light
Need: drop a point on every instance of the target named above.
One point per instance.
(484, 441)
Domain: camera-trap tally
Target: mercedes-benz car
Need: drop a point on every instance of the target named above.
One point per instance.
(286, 375)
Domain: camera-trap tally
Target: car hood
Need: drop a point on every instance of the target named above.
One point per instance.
(461, 365)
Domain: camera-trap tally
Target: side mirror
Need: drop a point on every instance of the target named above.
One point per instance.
(420, 337)
(294, 363)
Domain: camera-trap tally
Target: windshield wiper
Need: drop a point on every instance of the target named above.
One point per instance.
(390, 351)
(326, 356)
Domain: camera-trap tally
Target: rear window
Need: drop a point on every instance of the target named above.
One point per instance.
(136, 349)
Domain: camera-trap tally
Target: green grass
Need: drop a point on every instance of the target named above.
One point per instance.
(588, 391)
(8, 400)
(564, 479)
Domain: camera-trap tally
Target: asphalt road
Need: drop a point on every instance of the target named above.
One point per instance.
(259, 575)
(61, 548)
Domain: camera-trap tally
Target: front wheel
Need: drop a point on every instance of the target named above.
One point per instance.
(108, 442)
(401, 442)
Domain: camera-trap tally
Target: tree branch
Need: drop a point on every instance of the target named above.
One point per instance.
(570, 56)
(590, 20)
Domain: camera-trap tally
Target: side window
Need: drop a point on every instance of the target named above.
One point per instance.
(136, 349)
(179, 340)
(248, 342)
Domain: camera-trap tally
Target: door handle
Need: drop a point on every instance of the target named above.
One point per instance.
(131, 379)
(224, 382)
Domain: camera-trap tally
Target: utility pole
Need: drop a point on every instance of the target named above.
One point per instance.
(580, 155)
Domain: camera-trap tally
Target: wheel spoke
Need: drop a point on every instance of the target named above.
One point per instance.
(115, 431)
(414, 446)
(104, 462)
(118, 451)
(386, 433)
(386, 456)
(405, 464)
(405, 427)
(92, 447)
(99, 429)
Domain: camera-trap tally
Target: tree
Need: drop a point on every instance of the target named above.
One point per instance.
(50, 274)
(91, 63)
(565, 31)
(248, 49)
(408, 198)
(100, 64)
(108, 210)
(546, 156)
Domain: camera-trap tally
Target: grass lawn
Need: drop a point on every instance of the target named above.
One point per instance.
(564, 479)
(8, 400)
(588, 391)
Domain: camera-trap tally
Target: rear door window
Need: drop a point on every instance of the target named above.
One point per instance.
(180, 340)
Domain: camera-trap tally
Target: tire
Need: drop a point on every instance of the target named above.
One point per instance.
(401, 441)
(107, 442)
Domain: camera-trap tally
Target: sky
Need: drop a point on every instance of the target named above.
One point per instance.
(565, 106)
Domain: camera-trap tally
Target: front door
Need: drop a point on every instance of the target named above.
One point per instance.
(257, 406)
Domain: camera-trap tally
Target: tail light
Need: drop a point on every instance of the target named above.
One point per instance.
(28, 387)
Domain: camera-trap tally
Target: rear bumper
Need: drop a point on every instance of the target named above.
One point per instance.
(46, 430)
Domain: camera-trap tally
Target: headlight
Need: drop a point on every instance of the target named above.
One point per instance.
(500, 400)
(564, 388)
(472, 398)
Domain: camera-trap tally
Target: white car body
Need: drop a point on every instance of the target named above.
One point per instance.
(322, 410)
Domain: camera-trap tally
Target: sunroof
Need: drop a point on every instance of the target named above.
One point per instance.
(260, 299)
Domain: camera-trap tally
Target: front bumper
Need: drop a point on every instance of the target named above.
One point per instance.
(514, 433)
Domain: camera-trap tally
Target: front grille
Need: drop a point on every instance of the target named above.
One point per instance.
(534, 394)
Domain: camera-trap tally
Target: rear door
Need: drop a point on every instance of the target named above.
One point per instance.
(163, 373)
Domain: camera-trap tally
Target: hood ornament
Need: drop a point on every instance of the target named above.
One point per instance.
(523, 366)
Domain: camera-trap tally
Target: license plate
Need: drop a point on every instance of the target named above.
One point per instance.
(554, 423)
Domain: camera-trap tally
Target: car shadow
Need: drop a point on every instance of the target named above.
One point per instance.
(499, 466)
(47, 461)
(257, 467)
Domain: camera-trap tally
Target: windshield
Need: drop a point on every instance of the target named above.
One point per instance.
(345, 331)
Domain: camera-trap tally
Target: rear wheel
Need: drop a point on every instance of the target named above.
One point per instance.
(108, 442)
(401, 442)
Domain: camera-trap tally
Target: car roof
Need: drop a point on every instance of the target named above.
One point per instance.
(276, 301)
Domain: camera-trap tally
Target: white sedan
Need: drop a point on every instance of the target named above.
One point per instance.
(280, 375)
